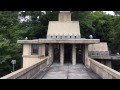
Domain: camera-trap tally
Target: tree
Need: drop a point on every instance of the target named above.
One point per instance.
(117, 12)
(115, 34)
(10, 31)
(102, 25)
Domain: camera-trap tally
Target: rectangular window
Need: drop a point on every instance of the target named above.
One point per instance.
(35, 49)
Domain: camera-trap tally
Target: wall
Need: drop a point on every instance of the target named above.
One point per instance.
(29, 59)
(30, 72)
(64, 28)
(64, 16)
(103, 71)
(98, 47)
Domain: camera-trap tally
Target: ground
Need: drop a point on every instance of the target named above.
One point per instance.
(68, 71)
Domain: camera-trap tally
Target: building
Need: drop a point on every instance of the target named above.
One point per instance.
(63, 43)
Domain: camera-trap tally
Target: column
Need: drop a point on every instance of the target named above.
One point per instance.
(43, 49)
(26, 52)
(61, 54)
(50, 52)
(87, 62)
(74, 54)
(109, 64)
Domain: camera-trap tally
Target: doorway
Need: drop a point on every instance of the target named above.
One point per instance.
(68, 53)
(56, 48)
(79, 54)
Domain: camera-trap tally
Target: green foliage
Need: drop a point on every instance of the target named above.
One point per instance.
(117, 12)
(115, 35)
(116, 65)
(102, 25)
(9, 50)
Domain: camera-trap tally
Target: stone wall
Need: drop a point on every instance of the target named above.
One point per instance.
(98, 47)
(103, 71)
(28, 58)
(30, 72)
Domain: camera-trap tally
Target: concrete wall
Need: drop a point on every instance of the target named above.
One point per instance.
(103, 71)
(98, 47)
(30, 72)
(64, 28)
(29, 59)
(64, 16)
(26, 49)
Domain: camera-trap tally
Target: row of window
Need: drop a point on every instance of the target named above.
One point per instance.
(63, 37)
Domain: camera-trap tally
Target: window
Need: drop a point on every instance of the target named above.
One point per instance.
(35, 49)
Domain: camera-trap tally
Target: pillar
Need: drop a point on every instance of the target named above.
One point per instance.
(26, 52)
(109, 64)
(61, 54)
(50, 52)
(87, 62)
(83, 53)
(74, 54)
(43, 49)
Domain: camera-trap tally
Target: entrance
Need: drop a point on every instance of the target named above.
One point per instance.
(79, 53)
(56, 53)
(67, 53)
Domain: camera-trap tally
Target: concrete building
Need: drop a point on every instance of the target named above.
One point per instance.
(100, 50)
(63, 43)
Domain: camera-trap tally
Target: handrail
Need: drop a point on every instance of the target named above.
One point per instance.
(28, 72)
(103, 71)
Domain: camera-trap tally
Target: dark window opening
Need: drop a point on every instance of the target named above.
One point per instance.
(35, 49)
(46, 49)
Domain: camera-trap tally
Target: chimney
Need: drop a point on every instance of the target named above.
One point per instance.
(64, 16)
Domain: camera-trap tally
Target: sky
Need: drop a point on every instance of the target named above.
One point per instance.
(109, 12)
(27, 17)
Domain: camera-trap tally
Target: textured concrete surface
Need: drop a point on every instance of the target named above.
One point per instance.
(68, 71)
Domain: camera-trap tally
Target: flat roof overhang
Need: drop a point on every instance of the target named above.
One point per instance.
(70, 41)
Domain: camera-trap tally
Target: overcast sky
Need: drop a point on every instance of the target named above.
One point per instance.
(109, 12)
(27, 17)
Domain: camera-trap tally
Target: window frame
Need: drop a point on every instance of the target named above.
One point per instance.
(34, 49)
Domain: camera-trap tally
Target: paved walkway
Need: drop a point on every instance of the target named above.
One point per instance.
(68, 71)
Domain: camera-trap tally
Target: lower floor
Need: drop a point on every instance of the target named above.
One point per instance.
(67, 53)
(68, 71)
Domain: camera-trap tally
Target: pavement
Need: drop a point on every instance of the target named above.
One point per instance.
(68, 71)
